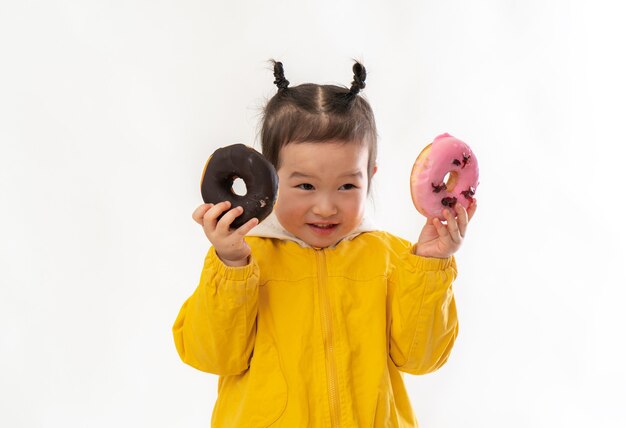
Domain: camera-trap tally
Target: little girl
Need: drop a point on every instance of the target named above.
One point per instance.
(311, 317)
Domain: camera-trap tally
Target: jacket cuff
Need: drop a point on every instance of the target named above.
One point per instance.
(234, 273)
(431, 263)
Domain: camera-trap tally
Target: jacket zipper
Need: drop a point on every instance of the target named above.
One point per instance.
(327, 332)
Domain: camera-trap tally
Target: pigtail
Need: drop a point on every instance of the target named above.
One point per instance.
(359, 79)
(279, 75)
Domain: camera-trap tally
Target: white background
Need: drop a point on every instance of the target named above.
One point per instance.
(109, 110)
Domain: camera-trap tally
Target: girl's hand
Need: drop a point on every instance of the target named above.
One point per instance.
(443, 240)
(229, 244)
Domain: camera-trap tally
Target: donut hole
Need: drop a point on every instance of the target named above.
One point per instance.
(239, 187)
(450, 179)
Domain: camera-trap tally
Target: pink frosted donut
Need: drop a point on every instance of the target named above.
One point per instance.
(445, 173)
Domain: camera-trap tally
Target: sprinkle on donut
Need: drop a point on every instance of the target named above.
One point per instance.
(448, 202)
(466, 159)
(439, 187)
(469, 193)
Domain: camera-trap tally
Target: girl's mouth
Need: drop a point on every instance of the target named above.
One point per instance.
(323, 228)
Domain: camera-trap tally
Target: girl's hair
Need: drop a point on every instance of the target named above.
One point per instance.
(318, 113)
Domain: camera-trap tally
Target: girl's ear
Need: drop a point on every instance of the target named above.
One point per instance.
(375, 169)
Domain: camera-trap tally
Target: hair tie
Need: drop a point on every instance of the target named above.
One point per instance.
(279, 74)
(359, 78)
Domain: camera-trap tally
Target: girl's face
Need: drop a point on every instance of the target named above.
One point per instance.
(322, 190)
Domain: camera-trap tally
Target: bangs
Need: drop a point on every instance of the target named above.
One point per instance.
(302, 127)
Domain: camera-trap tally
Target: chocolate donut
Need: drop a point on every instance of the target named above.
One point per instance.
(227, 164)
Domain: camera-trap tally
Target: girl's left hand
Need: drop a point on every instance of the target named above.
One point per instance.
(443, 240)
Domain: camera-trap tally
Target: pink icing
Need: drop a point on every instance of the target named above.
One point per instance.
(446, 155)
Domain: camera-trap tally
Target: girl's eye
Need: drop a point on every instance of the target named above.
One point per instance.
(347, 187)
(305, 186)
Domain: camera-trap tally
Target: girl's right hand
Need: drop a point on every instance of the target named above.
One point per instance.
(229, 244)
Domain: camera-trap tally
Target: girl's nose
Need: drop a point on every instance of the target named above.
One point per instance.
(324, 207)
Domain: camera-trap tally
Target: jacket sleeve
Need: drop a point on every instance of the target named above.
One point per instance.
(216, 327)
(424, 322)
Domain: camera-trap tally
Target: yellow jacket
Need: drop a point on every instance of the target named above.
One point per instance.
(305, 337)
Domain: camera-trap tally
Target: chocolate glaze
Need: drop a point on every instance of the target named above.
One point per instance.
(240, 161)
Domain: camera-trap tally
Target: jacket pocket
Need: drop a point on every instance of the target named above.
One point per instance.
(255, 398)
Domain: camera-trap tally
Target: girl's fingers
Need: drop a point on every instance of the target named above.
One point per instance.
(247, 227)
(223, 225)
(442, 230)
(199, 212)
(462, 219)
(452, 226)
(471, 210)
(210, 217)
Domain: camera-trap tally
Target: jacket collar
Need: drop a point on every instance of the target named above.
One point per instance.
(271, 228)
